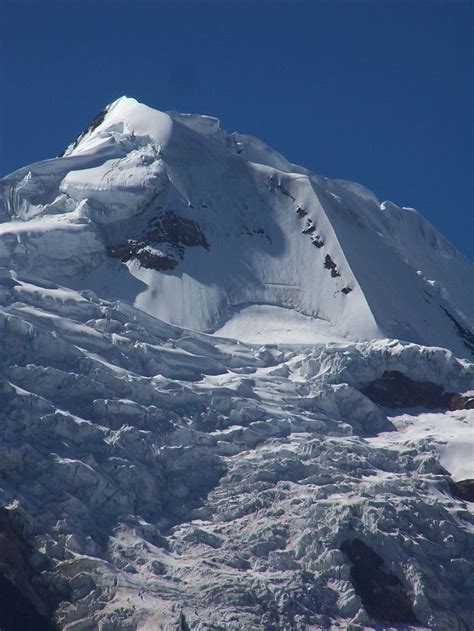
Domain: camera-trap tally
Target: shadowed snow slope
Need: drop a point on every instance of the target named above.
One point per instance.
(196, 348)
(193, 225)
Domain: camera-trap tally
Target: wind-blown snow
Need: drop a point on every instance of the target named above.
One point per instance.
(263, 324)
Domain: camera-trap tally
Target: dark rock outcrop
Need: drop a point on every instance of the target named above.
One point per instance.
(301, 212)
(463, 332)
(90, 128)
(183, 623)
(317, 241)
(330, 265)
(396, 390)
(382, 593)
(21, 605)
(147, 258)
(310, 230)
(461, 402)
(176, 233)
(463, 490)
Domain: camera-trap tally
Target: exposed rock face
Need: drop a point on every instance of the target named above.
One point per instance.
(462, 401)
(137, 250)
(463, 490)
(330, 265)
(175, 233)
(97, 120)
(21, 605)
(396, 390)
(381, 592)
(464, 333)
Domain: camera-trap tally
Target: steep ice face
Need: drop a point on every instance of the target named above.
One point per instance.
(201, 228)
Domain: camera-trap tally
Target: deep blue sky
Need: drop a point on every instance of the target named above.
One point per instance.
(376, 92)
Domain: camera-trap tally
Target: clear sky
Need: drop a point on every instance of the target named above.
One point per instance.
(372, 91)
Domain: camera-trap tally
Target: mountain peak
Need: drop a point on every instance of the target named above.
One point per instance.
(125, 116)
(219, 232)
(283, 465)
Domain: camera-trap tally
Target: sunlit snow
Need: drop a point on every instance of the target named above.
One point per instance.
(189, 326)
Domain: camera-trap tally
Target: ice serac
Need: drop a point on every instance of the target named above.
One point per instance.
(154, 477)
(219, 232)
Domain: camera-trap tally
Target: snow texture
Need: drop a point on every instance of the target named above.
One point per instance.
(188, 324)
(196, 226)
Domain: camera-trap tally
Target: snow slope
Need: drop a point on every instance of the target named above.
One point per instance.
(193, 225)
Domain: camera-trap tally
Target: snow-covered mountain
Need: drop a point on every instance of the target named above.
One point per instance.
(215, 231)
(234, 395)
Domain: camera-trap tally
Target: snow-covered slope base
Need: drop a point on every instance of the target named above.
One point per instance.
(166, 479)
(195, 226)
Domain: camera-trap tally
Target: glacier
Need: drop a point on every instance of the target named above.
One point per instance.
(235, 395)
